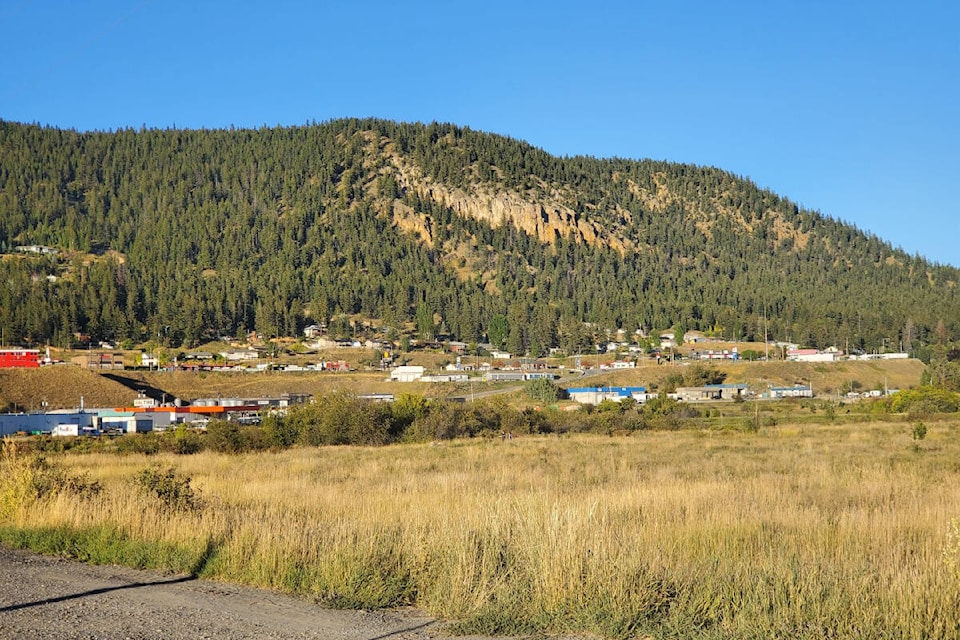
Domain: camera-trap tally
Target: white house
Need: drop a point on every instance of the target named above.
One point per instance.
(406, 373)
(796, 391)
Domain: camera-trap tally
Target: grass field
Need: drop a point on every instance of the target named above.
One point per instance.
(818, 531)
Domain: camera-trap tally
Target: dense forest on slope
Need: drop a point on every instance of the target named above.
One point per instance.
(190, 234)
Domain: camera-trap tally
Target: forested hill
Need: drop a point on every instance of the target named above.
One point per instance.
(191, 234)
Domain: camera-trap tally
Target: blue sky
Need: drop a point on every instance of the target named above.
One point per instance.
(850, 108)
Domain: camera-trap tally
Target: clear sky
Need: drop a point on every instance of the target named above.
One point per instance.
(851, 107)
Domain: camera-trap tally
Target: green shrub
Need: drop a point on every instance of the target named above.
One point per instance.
(185, 441)
(227, 436)
(279, 432)
(925, 401)
(342, 418)
(919, 431)
(542, 390)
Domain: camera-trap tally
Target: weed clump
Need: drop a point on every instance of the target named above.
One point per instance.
(27, 478)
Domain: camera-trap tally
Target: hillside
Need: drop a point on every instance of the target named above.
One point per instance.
(181, 236)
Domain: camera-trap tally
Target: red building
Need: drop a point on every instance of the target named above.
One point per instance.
(19, 358)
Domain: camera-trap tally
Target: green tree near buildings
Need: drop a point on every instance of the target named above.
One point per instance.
(426, 327)
(542, 390)
(498, 330)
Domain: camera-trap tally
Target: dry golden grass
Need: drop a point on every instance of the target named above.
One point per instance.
(813, 531)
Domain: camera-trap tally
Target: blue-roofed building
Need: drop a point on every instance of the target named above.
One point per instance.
(596, 395)
(77, 421)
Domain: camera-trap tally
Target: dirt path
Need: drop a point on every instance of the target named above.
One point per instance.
(43, 597)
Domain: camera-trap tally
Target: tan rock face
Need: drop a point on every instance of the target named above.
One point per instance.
(407, 220)
(543, 213)
(545, 219)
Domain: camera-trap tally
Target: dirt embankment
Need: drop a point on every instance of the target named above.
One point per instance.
(59, 387)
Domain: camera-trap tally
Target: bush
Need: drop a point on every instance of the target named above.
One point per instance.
(446, 421)
(925, 401)
(919, 431)
(406, 408)
(279, 432)
(141, 443)
(542, 390)
(229, 437)
(343, 418)
(186, 441)
(171, 488)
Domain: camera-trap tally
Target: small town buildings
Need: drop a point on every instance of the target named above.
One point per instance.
(68, 422)
(19, 358)
(796, 391)
(459, 348)
(100, 361)
(501, 376)
(38, 249)
(881, 356)
(719, 354)
(240, 355)
(149, 361)
(540, 375)
(711, 392)
(446, 377)
(376, 397)
(123, 421)
(406, 373)
(814, 355)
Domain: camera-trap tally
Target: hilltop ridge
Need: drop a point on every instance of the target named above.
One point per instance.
(180, 236)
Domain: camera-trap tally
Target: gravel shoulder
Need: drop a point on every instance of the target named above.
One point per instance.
(46, 597)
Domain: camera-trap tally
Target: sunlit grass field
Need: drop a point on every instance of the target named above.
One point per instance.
(814, 531)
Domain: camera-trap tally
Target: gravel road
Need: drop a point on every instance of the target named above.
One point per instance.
(44, 597)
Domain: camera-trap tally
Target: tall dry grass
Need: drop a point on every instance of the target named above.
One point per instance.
(793, 532)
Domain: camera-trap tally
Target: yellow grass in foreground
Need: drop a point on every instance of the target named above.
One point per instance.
(821, 531)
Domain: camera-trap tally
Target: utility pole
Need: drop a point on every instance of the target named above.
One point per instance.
(766, 342)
